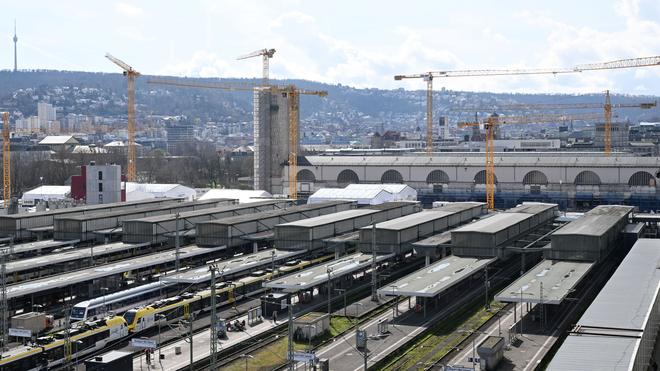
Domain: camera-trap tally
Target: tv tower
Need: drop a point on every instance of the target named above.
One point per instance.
(15, 53)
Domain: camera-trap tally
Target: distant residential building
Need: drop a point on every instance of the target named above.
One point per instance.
(179, 137)
(46, 113)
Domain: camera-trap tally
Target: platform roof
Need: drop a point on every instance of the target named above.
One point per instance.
(330, 218)
(594, 353)
(412, 220)
(317, 275)
(627, 298)
(494, 223)
(614, 323)
(40, 245)
(558, 278)
(69, 256)
(596, 222)
(435, 240)
(84, 275)
(233, 265)
(433, 280)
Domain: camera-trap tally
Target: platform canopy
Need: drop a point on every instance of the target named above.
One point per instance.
(433, 280)
(318, 275)
(558, 279)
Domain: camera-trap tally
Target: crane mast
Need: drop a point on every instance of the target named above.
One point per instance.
(131, 74)
(428, 77)
(489, 125)
(293, 94)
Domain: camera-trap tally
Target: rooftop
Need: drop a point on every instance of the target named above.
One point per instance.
(558, 279)
(596, 222)
(317, 275)
(59, 140)
(330, 218)
(494, 223)
(432, 280)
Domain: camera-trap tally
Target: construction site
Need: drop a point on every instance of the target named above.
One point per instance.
(498, 251)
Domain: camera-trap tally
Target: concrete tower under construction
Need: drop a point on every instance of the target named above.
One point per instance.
(271, 139)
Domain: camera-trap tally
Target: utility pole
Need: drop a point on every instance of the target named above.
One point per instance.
(177, 263)
(290, 330)
(214, 329)
(374, 274)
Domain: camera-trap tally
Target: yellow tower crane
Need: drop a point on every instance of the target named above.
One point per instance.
(429, 76)
(6, 160)
(606, 107)
(293, 93)
(489, 125)
(131, 74)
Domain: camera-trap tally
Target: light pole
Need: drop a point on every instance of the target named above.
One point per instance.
(246, 357)
(177, 244)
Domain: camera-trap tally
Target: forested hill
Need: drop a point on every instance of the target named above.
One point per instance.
(103, 94)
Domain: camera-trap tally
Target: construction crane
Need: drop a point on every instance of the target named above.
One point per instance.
(429, 76)
(489, 125)
(293, 94)
(6, 160)
(265, 55)
(131, 74)
(606, 107)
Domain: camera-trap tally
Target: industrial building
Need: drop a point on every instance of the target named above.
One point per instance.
(239, 230)
(570, 179)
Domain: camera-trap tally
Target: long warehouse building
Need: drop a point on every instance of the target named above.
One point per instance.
(618, 331)
(396, 235)
(308, 234)
(488, 237)
(22, 226)
(157, 229)
(84, 227)
(231, 231)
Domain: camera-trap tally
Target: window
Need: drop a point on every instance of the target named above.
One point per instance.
(101, 199)
(100, 175)
(100, 187)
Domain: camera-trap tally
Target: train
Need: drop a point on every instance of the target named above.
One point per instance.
(86, 337)
(54, 349)
(117, 302)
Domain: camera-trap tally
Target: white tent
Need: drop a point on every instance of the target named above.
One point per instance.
(400, 192)
(243, 196)
(362, 196)
(141, 191)
(46, 193)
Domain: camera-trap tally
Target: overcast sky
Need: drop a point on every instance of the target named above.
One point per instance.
(358, 43)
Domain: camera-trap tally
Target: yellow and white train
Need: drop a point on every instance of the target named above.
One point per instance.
(86, 337)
